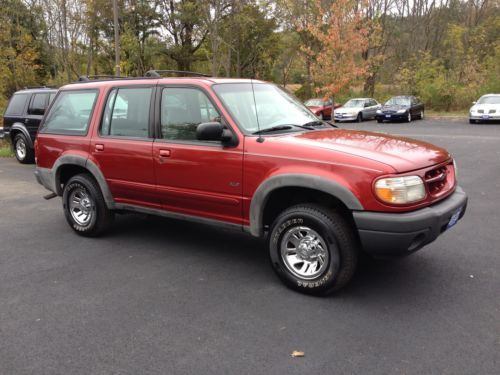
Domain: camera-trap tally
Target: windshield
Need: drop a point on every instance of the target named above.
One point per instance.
(314, 103)
(354, 103)
(489, 100)
(398, 101)
(271, 105)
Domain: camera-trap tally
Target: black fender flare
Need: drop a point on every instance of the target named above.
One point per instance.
(329, 186)
(18, 127)
(88, 165)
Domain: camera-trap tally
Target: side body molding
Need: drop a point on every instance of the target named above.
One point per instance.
(90, 166)
(20, 127)
(263, 192)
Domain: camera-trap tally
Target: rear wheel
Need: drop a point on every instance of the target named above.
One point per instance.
(321, 116)
(84, 206)
(421, 114)
(312, 249)
(24, 154)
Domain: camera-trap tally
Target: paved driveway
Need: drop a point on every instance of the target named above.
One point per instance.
(158, 296)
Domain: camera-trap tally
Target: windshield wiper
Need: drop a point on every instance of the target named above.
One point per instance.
(281, 127)
(319, 123)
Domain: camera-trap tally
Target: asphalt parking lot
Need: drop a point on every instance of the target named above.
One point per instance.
(159, 296)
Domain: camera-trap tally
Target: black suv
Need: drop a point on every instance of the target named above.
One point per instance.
(22, 118)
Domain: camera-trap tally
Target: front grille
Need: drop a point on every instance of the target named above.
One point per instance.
(480, 111)
(440, 180)
(493, 110)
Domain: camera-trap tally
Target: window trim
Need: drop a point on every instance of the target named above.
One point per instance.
(157, 122)
(43, 128)
(151, 135)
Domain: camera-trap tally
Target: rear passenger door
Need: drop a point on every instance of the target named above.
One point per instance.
(197, 178)
(36, 109)
(122, 145)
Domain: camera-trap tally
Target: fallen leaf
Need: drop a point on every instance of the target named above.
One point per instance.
(296, 353)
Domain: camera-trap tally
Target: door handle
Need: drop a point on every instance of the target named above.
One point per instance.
(99, 147)
(164, 153)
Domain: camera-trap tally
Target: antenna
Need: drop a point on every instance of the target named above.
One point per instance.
(260, 139)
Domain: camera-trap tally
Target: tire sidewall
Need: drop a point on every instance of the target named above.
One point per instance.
(19, 138)
(73, 184)
(324, 281)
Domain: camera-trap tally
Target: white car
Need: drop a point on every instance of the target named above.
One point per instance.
(357, 109)
(487, 108)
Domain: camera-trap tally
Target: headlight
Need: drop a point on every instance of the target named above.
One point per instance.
(379, 111)
(400, 190)
(402, 111)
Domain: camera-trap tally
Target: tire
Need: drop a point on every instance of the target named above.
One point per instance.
(408, 119)
(359, 118)
(421, 117)
(24, 154)
(473, 122)
(379, 121)
(334, 256)
(321, 116)
(84, 206)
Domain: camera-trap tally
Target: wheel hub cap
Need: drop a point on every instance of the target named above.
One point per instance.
(304, 252)
(80, 206)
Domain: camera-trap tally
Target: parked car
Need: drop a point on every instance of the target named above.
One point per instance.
(22, 118)
(401, 108)
(358, 109)
(245, 154)
(487, 108)
(321, 108)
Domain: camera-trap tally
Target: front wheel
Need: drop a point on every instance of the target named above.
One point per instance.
(312, 249)
(421, 114)
(408, 118)
(359, 118)
(24, 154)
(84, 206)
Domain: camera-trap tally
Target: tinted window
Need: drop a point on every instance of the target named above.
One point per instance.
(127, 113)
(16, 105)
(38, 104)
(71, 112)
(182, 110)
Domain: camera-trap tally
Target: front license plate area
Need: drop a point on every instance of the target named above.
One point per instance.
(454, 218)
(485, 117)
(388, 116)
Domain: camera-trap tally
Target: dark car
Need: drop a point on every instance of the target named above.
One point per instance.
(22, 118)
(401, 108)
(246, 155)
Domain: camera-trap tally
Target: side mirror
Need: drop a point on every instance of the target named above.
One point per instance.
(366, 105)
(215, 131)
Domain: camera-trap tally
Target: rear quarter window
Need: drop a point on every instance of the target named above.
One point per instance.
(71, 112)
(16, 105)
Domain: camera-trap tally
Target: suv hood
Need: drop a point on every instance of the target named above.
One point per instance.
(402, 154)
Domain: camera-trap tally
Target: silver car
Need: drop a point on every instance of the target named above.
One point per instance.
(357, 109)
(487, 108)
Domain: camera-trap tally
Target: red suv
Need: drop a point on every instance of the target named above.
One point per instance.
(245, 154)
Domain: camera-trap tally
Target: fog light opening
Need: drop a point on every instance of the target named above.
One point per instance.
(417, 242)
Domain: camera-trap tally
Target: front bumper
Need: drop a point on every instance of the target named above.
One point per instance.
(391, 116)
(345, 117)
(485, 117)
(395, 234)
(4, 135)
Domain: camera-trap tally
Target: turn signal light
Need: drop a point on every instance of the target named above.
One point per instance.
(400, 190)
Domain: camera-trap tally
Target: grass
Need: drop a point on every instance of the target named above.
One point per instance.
(5, 149)
(434, 113)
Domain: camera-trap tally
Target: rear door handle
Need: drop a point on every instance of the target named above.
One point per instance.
(99, 147)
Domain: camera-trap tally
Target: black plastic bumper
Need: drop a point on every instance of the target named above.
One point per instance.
(394, 117)
(396, 234)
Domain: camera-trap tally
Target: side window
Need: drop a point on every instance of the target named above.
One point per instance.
(71, 113)
(38, 104)
(127, 113)
(16, 105)
(182, 110)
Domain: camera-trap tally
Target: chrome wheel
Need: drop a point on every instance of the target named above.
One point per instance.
(304, 252)
(21, 149)
(81, 206)
(421, 115)
(409, 116)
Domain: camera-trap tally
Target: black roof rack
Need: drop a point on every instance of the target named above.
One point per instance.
(39, 87)
(157, 73)
(106, 76)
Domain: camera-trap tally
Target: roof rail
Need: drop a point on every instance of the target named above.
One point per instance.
(157, 73)
(39, 87)
(106, 76)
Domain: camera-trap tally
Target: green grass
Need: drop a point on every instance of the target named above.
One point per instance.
(434, 113)
(5, 150)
